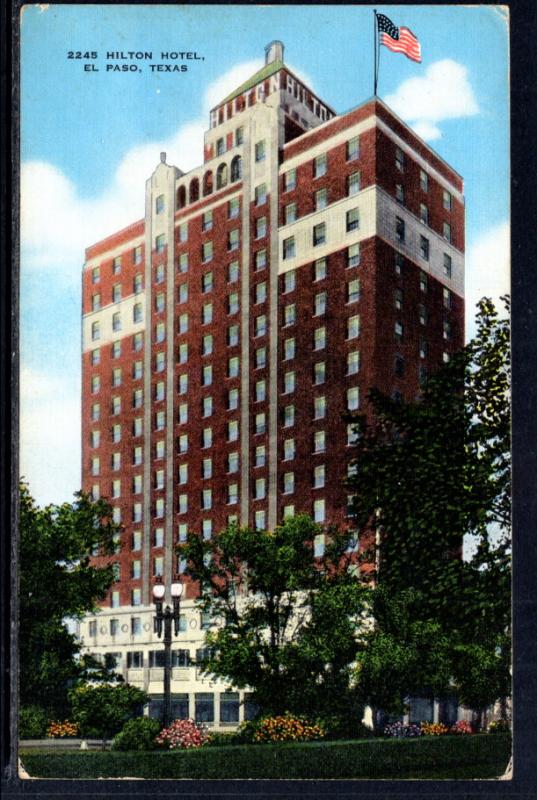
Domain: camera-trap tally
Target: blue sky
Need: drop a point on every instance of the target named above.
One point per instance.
(90, 139)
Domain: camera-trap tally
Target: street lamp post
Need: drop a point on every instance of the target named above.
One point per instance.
(162, 621)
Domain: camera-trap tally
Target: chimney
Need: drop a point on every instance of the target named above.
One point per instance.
(274, 51)
(163, 158)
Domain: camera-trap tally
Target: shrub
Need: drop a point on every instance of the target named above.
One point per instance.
(337, 728)
(101, 711)
(33, 721)
(137, 734)
(434, 729)
(499, 726)
(462, 727)
(287, 728)
(182, 734)
(400, 731)
(62, 730)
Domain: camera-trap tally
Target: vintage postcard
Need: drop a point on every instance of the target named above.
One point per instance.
(272, 533)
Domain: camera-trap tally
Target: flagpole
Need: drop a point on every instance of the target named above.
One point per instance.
(375, 51)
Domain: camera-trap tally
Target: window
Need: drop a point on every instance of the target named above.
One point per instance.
(290, 213)
(398, 331)
(95, 331)
(239, 136)
(424, 348)
(233, 208)
(206, 499)
(159, 204)
(233, 238)
(160, 332)
(424, 181)
(319, 373)
(289, 180)
(319, 269)
(260, 520)
(260, 391)
(399, 159)
(289, 382)
(260, 292)
(182, 443)
(135, 659)
(353, 290)
(116, 265)
(182, 507)
(95, 274)
(260, 227)
(321, 199)
(220, 147)
(95, 356)
(182, 355)
(400, 229)
(424, 214)
(424, 248)
(289, 482)
(207, 407)
(289, 449)
(137, 512)
(353, 255)
(447, 265)
(95, 384)
(260, 153)
(160, 420)
(159, 504)
(422, 314)
(207, 220)
(207, 468)
(233, 303)
(260, 455)
(289, 349)
(423, 281)
(229, 707)
(446, 200)
(446, 231)
(115, 461)
(319, 476)
(95, 412)
(183, 262)
(159, 449)
(353, 398)
(260, 260)
(233, 430)
(319, 407)
(319, 304)
(260, 194)
(137, 254)
(318, 516)
(116, 405)
(160, 361)
(137, 456)
(232, 399)
(95, 465)
(353, 327)
(446, 358)
(233, 365)
(114, 627)
(137, 283)
(422, 376)
(288, 511)
(182, 384)
(116, 377)
(136, 622)
(288, 248)
(137, 342)
(206, 252)
(233, 272)
(137, 398)
(400, 193)
(207, 344)
(233, 462)
(260, 423)
(289, 314)
(398, 299)
(160, 243)
(95, 302)
(288, 416)
(207, 282)
(319, 234)
(183, 232)
(353, 149)
(260, 357)
(137, 370)
(320, 166)
(446, 295)
(137, 484)
(207, 375)
(207, 529)
(260, 489)
(136, 540)
(289, 280)
(399, 260)
(319, 338)
(353, 184)
(95, 438)
(160, 273)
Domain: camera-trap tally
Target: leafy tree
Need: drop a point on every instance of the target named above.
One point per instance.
(287, 621)
(58, 581)
(101, 711)
(431, 472)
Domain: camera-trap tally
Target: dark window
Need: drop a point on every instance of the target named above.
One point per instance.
(229, 707)
(204, 706)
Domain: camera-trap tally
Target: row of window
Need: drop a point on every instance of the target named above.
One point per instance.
(137, 257)
(447, 198)
(319, 234)
(319, 165)
(137, 316)
(400, 235)
(116, 294)
(290, 211)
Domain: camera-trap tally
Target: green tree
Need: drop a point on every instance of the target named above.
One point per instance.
(58, 581)
(431, 472)
(101, 711)
(287, 622)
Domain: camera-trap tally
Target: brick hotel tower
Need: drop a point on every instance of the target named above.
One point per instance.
(311, 257)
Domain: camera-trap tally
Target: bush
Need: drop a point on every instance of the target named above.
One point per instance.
(182, 734)
(337, 728)
(400, 731)
(499, 726)
(479, 756)
(460, 728)
(33, 721)
(62, 730)
(101, 711)
(137, 734)
(287, 728)
(434, 729)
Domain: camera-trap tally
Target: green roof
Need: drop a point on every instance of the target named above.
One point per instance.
(264, 72)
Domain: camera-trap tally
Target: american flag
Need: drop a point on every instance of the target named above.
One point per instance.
(398, 40)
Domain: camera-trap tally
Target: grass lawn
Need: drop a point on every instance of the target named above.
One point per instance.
(448, 757)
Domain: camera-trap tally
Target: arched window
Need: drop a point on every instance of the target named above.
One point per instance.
(221, 176)
(236, 169)
(181, 197)
(207, 183)
(194, 191)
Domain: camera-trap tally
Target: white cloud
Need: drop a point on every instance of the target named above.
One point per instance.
(488, 268)
(444, 92)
